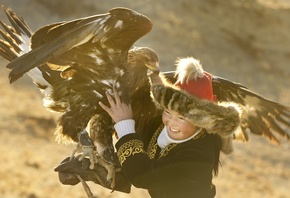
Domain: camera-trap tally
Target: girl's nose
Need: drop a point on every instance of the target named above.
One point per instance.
(171, 122)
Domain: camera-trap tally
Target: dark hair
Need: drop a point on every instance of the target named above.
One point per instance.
(217, 149)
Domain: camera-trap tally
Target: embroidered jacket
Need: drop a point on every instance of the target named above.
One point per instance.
(179, 171)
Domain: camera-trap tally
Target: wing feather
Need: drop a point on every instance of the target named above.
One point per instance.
(16, 36)
(49, 50)
(39, 36)
(118, 29)
(260, 115)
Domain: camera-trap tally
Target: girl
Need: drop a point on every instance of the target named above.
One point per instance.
(179, 151)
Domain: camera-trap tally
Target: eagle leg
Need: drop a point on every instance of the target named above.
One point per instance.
(87, 147)
(106, 152)
(106, 159)
(89, 151)
(112, 170)
(101, 131)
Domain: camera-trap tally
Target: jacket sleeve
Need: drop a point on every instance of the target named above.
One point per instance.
(188, 167)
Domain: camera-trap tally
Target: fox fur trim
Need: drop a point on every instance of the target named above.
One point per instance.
(227, 144)
(220, 118)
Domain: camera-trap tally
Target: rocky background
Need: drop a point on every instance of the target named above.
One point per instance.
(247, 41)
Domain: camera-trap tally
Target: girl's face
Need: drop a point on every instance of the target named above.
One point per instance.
(177, 127)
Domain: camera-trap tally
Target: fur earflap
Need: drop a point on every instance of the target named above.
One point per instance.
(222, 119)
(188, 69)
(227, 144)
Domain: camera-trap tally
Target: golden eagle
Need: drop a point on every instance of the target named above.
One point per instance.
(75, 62)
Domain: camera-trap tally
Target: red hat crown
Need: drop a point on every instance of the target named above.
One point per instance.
(192, 79)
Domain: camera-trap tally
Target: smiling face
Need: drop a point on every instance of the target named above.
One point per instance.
(177, 127)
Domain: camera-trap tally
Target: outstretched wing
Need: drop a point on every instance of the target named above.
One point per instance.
(89, 53)
(89, 42)
(260, 115)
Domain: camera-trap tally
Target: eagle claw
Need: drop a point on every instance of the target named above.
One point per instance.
(87, 147)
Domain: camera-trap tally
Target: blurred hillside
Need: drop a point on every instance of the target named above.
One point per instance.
(247, 41)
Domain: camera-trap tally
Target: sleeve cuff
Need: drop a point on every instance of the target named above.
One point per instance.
(125, 127)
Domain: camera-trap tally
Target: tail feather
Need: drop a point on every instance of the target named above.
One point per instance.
(10, 41)
(11, 32)
(16, 38)
(16, 42)
(6, 51)
(18, 23)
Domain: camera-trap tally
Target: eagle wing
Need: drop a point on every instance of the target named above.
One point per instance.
(73, 62)
(70, 43)
(260, 116)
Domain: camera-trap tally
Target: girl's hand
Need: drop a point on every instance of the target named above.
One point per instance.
(118, 111)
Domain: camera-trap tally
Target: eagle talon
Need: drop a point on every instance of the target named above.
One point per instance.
(87, 147)
(90, 152)
(111, 171)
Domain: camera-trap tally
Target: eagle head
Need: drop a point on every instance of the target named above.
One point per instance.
(139, 56)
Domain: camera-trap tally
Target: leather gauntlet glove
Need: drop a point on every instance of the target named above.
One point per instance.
(69, 169)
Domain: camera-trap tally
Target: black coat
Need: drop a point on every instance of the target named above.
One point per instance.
(179, 171)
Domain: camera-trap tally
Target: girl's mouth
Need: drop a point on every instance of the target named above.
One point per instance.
(173, 130)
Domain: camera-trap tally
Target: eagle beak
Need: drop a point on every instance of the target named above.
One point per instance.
(153, 68)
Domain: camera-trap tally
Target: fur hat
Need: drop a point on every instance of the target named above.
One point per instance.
(192, 97)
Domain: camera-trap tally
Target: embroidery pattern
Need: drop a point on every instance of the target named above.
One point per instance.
(167, 149)
(152, 147)
(171, 146)
(129, 148)
(200, 135)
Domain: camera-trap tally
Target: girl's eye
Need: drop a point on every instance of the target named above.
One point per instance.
(167, 112)
(181, 118)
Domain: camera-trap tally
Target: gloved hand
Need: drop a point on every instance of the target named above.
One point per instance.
(69, 169)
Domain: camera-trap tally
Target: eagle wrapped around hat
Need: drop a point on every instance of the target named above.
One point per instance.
(192, 97)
